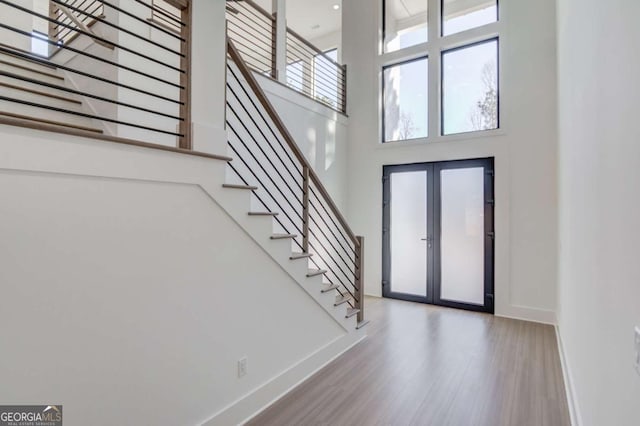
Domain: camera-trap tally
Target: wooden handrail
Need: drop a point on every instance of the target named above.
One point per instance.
(259, 8)
(262, 97)
(314, 48)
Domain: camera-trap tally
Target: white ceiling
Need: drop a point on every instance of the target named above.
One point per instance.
(303, 16)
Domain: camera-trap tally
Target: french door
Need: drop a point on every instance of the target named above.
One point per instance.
(438, 236)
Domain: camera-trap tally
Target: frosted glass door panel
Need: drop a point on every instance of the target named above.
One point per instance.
(408, 227)
(462, 235)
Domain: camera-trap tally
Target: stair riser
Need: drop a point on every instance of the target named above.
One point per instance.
(39, 99)
(27, 63)
(31, 74)
(43, 113)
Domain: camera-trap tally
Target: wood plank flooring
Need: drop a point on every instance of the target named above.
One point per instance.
(427, 365)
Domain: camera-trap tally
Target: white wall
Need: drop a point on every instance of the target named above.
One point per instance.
(122, 298)
(320, 132)
(524, 151)
(17, 19)
(599, 169)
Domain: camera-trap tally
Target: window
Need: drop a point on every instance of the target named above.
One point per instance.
(295, 75)
(405, 23)
(461, 15)
(470, 88)
(406, 100)
(325, 83)
(455, 90)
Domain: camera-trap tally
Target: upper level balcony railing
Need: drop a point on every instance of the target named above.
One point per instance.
(308, 69)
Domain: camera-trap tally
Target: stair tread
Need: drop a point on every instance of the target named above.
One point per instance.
(351, 312)
(25, 55)
(21, 117)
(329, 287)
(296, 256)
(39, 92)
(30, 69)
(340, 300)
(235, 186)
(283, 236)
(362, 324)
(263, 213)
(316, 272)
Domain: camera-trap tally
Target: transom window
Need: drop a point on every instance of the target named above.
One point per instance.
(440, 68)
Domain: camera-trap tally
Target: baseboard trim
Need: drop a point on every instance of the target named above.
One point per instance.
(526, 313)
(249, 406)
(574, 412)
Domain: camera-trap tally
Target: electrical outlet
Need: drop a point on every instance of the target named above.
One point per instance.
(242, 367)
(637, 339)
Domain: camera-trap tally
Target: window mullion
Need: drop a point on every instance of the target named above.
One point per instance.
(434, 68)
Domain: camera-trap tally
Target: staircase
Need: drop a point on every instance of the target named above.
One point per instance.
(270, 174)
(270, 189)
(35, 91)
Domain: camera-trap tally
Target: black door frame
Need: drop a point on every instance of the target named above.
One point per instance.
(433, 170)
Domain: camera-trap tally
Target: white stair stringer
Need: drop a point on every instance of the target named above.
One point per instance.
(237, 204)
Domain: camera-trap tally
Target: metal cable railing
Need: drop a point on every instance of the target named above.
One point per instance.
(315, 73)
(61, 30)
(253, 31)
(140, 93)
(310, 71)
(266, 156)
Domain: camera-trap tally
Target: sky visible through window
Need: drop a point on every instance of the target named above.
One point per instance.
(470, 84)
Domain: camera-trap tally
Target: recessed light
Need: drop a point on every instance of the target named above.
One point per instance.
(336, 6)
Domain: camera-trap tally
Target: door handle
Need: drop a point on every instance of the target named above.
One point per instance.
(429, 239)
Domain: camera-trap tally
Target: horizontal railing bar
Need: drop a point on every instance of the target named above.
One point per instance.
(311, 62)
(124, 30)
(82, 114)
(331, 218)
(251, 80)
(95, 37)
(318, 85)
(255, 6)
(265, 24)
(89, 95)
(337, 264)
(317, 253)
(338, 289)
(261, 200)
(338, 241)
(260, 60)
(264, 53)
(97, 58)
(267, 123)
(164, 21)
(257, 126)
(95, 77)
(167, 14)
(35, 125)
(326, 73)
(311, 46)
(266, 46)
(265, 172)
(265, 155)
(148, 6)
(159, 23)
(262, 186)
(144, 21)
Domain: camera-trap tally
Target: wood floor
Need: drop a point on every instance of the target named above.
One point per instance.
(426, 365)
